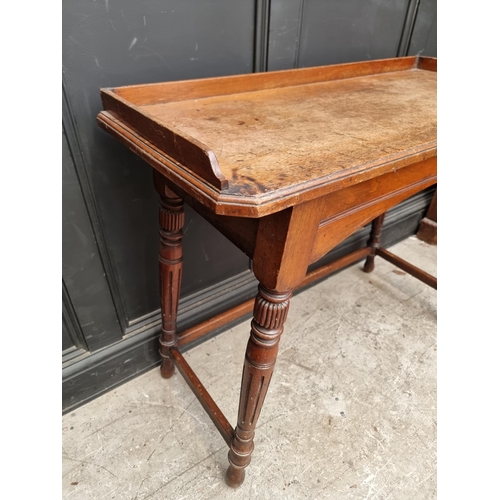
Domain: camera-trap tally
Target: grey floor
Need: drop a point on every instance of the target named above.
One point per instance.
(350, 413)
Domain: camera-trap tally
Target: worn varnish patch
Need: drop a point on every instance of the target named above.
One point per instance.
(275, 139)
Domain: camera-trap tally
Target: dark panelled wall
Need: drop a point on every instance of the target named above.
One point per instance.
(110, 232)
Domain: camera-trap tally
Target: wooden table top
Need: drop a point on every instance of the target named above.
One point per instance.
(251, 145)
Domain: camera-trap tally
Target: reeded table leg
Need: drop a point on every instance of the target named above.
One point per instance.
(269, 316)
(374, 243)
(171, 223)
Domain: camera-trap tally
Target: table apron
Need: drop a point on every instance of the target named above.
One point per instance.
(347, 210)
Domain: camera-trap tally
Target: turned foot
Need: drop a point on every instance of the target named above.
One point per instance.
(235, 476)
(167, 368)
(369, 264)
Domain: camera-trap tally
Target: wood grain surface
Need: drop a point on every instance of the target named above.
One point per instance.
(275, 139)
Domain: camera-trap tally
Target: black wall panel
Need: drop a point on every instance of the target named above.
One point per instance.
(88, 294)
(284, 34)
(124, 42)
(350, 30)
(424, 35)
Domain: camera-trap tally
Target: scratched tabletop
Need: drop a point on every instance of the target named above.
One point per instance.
(273, 139)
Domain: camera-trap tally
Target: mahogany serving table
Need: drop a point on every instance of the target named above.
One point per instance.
(286, 165)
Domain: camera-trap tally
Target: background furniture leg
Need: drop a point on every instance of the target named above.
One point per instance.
(427, 231)
(374, 243)
(170, 259)
(269, 316)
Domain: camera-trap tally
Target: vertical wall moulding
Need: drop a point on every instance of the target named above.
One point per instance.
(261, 41)
(299, 34)
(409, 25)
(81, 168)
(72, 325)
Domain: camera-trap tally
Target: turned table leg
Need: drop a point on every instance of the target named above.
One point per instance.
(269, 316)
(170, 259)
(374, 243)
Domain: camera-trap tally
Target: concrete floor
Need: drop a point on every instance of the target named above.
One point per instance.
(350, 413)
